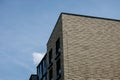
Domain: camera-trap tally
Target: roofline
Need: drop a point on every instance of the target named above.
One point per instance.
(42, 60)
(54, 27)
(81, 16)
(33, 74)
(90, 16)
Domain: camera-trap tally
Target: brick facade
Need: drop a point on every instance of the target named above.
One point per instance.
(89, 49)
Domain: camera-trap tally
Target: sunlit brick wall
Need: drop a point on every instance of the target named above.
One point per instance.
(91, 48)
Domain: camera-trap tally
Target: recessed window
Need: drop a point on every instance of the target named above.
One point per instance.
(39, 71)
(58, 67)
(42, 69)
(44, 65)
(51, 74)
(44, 78)
(50, 56)
(58, 46)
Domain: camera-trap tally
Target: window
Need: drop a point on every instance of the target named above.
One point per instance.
(44, 65)
(50, 56)
(44, 78)
(51, 74)
(42, 68)
(58, 46)
(39, 71)
(58, 67)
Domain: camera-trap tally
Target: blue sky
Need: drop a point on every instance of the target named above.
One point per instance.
(25, 27)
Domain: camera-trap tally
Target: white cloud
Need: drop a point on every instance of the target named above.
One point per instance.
(37, 57)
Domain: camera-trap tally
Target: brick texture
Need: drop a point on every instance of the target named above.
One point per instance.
(91, 48)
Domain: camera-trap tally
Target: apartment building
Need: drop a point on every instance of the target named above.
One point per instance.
(82, 48)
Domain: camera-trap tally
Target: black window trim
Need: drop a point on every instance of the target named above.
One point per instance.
(58, 52)
(58, 73)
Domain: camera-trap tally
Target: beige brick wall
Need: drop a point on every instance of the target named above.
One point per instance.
(91, 48)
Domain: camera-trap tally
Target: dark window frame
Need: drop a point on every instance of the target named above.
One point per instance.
(44, 65)
(51, 74)
(42, 68)
(50, 56)
(58, 67)
(58, 50)
(40, 71)
(44, 77)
